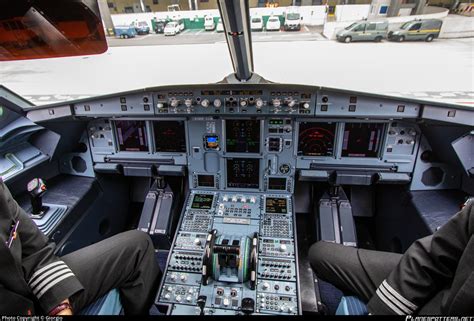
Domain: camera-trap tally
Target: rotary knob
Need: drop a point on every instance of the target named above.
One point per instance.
(173, 277)
(178, 298)
(265, 286)
(167, 296)
(276, 102)
(205, 103)
(306, 105)
(188, 102)
(160, 105)
(217, 103)
(183, 277)
(197, 241)
(282, 248)
(291, 103)
(243, 103)
(189, 298)
(259, 103)
(174, 103)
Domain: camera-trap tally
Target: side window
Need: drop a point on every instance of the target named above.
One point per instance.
(360, 27)
(416, 26)
(371, 26)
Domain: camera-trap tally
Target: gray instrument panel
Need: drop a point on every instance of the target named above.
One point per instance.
(243, 149)
(252, 256)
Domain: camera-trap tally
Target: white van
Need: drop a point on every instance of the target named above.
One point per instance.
(209, 24)
(292, 21)
(256, 23)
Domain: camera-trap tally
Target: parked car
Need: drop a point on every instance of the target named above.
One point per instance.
(426, 30)
(125, 31)
(220, 26)
(160, 26)
(209, 24)
(256, 23)
(141, 27)
(172, 28)
(292, 21)
(364, 31)
(273, 23)
(180, 23)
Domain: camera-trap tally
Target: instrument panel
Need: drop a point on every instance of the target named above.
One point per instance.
(256, 153)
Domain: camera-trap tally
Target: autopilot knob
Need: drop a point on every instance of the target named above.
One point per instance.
(248, 305)
(259, 103)
(36, 188)
(188, 102)
(217, 103)
(174, 102)
(291, 103)
(276, 102)
(205, 103)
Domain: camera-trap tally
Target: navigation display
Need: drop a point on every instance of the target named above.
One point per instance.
(316, 139)
(170, 136)
(202, 201)
(131, 135)
(205, 180)
(243, 173)
(242, 136)
(275, 205)
(362, 139)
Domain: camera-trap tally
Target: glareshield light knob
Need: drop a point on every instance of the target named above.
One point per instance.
(205, 103)
(291, 103)
(243, 103)
(276, 102)
(188, 102)
(306, 105)
(217, 103)
(259, 103)
(174, 102)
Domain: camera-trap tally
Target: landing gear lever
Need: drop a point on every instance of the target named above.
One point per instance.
(36, 188)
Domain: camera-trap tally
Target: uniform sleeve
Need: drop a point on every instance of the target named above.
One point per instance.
(49, 278)
(427, 266)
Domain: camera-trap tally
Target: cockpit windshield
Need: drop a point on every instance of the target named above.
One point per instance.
(301, 42)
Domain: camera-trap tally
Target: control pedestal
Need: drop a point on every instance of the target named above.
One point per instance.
(234, 253)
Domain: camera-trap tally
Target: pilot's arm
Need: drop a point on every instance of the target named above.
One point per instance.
(50, 279)
(426, 268)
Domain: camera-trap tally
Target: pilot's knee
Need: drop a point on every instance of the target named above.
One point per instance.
(139, 239)
(319, 254)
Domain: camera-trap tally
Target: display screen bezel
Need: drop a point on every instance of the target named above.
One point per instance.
(260, 133)
(275, 189)
(259, 162)
(155, 146)
(278, 210)
(381, 143)
(206, 175)
(198, 205)
(334, 143)
(117, 139)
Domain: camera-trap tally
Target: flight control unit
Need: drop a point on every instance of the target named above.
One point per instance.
(234, 253)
